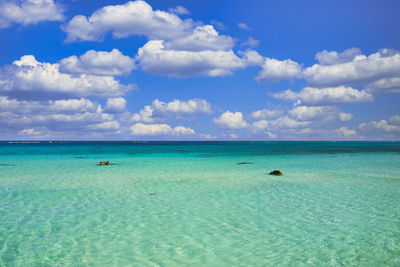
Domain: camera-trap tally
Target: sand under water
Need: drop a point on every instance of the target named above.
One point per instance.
(171, 203)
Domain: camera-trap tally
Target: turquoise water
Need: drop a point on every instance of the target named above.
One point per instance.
(180, 204)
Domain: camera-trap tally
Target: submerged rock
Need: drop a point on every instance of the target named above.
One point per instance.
(276, 172)
(244, 162)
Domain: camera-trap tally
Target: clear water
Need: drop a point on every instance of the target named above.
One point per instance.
(169, 204)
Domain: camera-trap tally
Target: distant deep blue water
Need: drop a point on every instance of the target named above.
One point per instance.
(191, 203)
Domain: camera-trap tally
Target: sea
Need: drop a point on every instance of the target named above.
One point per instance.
(199, 204)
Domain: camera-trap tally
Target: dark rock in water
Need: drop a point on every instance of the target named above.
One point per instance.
(244, 162)
(276, 172)
(6, 165)
(103, 163)
(152, 194)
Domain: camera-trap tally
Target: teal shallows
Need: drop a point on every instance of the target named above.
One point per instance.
(191, 204)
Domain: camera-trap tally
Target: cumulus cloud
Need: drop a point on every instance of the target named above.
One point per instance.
(155, 58)
(345, 116)
(333, 57)
(145, 115)
(180, 10)
(321, 113)
(185, 107)
(159, 129)
(159, 110)
(251, 42)
(28, 78)
(115, 105)
(105, 126)
(207, 136)
(132, 18)
(231, 120)
(202, 38)
(176, 47)
(274, 70)
(29, 12)
(244, 26)
(301, 122)
(51, 106)
(382, 127)
(99, 63)
(29, 132)
(361, 70)
(386, 85)
(395, 119)
(325, 96)
(219, 25)
(279, 123)
(251, 57)
(276, 125)
(265, 113)
(77, 117)
(345, 132)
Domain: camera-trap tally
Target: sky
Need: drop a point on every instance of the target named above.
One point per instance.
(199, 70)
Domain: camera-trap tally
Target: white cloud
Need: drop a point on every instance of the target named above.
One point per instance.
(321, 113)
(207, 136)
(107, 125)
(346, 132)
(176, 47)
(265, 113)
(275, 70)
(251, 57)
(180, 10)
(361, 70)
(345, 116)
(395, 119)
(333, 57)
(132, 18)
(219, 25)
(29, 12)
(99, 63)
(159, 129)
(76, 117)
(251, 42)
(156, 59)
(312, 113)
(180, 130)
(386, 85)
(82, 105)
(29, 131)
(325, 96)
(45, 107)
(382, 127)
(232, 136)
(231, 120)
(279, 123)
(244, 26)
(160, 110)
(202, 38)
(115, 105)
(145, 115)
(184, 107)
(28, 78)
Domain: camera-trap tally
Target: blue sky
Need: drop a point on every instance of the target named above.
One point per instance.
(199, 70)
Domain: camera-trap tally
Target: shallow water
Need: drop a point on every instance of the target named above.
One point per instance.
(174, 204)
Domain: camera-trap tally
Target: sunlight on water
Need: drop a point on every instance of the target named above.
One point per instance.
(192, 204)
